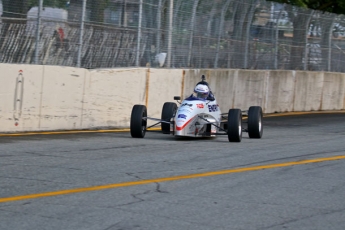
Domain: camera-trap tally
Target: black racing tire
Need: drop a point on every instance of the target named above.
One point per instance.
(138, 124)
(255, 128)
(168, 111)
(235, 125)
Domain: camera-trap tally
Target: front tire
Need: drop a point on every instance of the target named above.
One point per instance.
(255, 128)
(138, 121)
(235, 125)
(168, 111)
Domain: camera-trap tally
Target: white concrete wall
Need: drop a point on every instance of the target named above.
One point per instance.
(250, 89)
(21, 112)
(280, 91)
(163, 85)
(65, 98)
(308, 91)
(110, 95)
(333, 93)
(62, 93)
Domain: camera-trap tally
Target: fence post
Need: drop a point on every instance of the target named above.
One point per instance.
(306, 42)
(221, 25)
(195, 6)
(159, 19)
(170, 33)
(139, 33)
(329, 54)
(38, 31)
(124, 14)
(81, 34)
(276, 41)
(246, 48)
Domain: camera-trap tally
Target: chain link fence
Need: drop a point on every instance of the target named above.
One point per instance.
(245, 34)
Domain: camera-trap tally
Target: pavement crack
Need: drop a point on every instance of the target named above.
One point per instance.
(46, 155)
(327, 212)
(113, 147)
(158, 188)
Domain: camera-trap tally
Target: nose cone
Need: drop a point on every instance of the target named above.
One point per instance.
(183, 125)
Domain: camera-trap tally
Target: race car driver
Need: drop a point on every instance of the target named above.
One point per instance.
(203, 90)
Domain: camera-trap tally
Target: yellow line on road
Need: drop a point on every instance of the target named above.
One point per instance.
(70, 132)
(303, 113)
(152, 129)
(173, 178)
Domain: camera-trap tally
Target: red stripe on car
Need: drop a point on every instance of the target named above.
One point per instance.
(182, 127)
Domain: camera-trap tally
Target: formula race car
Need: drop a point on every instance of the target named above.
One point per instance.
(198, 115)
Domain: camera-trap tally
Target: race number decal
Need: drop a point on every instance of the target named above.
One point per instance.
(212, 108)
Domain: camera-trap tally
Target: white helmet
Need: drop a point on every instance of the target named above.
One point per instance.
(201, 91)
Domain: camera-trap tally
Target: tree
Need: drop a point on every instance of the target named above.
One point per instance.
(332, 6)
(301, 17)
(97, 10)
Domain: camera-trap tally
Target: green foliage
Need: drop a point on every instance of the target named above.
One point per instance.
(97, 9)
(333, 6)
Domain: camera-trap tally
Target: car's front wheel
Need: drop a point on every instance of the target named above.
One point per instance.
(255, 128)
(138, 121)
(235, 125)
(168, 111)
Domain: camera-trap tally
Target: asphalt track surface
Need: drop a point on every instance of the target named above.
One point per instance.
(292, 178)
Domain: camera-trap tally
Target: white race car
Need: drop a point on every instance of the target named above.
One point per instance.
(198, 117)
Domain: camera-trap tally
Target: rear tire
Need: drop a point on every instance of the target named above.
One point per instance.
(255, 128)
(168, 111)
(138, 124)
(235, 125)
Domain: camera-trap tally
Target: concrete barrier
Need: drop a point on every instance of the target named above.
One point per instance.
(110, 95)
(163, 85)
(250, 89)
(21, 95)
(280, 92)
(308, 91)
(333, 94)
(62, 95)
(39, 98)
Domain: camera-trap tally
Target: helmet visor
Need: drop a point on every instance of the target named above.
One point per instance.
(200, 95)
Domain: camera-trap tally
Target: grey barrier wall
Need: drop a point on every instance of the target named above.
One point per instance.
(41, 98)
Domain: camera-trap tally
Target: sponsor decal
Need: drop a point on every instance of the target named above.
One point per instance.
(186, 104)
(212, 108)
(200, 106)
(184, 111)
(182, 116)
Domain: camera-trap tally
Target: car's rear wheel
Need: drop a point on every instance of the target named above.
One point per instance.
(255, 128)
(168, 111)
(138, 121)
(235, 125)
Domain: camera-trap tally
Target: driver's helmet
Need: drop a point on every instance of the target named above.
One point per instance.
(201, 91)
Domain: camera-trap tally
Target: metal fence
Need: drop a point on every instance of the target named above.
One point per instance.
(246, 34)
